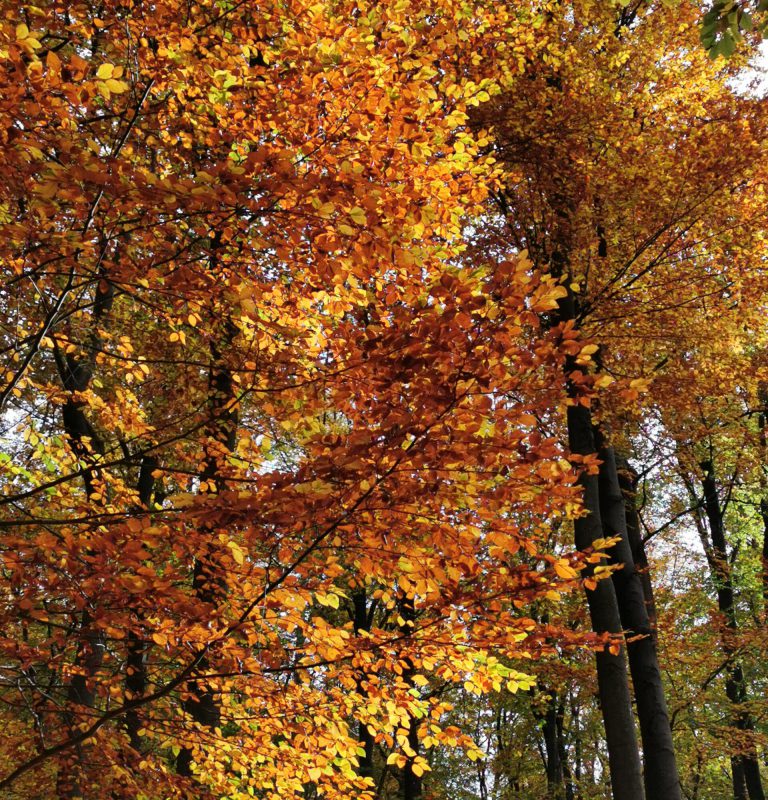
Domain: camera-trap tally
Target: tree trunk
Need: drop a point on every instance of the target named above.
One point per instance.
(628, 484)
(202, 705)
(553, 749)
(136, 666)
(660, 774)
(560, 725)
(410, 782)
(744, 766)
(87, 445)
(763, 423)
(613, 683)
(362, 622)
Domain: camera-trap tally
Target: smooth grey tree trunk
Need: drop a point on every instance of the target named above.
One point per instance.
(612, 678)
(745, 766)
(362, 623)
(660, 767)
(203, 705)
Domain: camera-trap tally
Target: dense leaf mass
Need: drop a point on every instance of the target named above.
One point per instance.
(346, 348)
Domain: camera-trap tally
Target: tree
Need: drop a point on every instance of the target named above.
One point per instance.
(610, 186)
(245, 375)
(328, 327)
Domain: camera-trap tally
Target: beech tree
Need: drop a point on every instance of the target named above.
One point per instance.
(609, 185)
(246, 382)
(340, 344)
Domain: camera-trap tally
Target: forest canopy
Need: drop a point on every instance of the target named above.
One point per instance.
(383, 400)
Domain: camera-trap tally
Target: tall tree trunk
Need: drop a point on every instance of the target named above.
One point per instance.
(660, 773)
(87, 445)
(745, 766)
(202, 705)
(221, 429)
(136, 666)
(560, 726)
(628, 484)
(553, 748)
(362, 622)
(613, 683)
(612, 679)
(763, 423)
(576, 738)
(411, 783)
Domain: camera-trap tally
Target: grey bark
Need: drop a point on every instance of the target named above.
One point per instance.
(661, 777)
(613, 682)
(745, 767)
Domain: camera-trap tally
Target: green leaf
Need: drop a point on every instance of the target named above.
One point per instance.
(727, 45)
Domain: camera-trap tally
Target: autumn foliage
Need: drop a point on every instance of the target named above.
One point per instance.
(287, 368)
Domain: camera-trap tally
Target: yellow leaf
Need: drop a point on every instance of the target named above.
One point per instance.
(315, 773)
(116, 87)
(603, 381)
(47, 190)
(22, 31)
(104, 72)
(159, 638)
(604, 544)
(237, 552)
(327, 600)
(564, 569)
(358, 215)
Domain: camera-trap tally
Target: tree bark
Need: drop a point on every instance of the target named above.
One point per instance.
(660, 767)
(763, 423)
(745, 768)
(201, 704)
(136, 666)
(613, 683)
(628, 484)
(411, 783)
(362, 622)
(86, 444)
(551, 728)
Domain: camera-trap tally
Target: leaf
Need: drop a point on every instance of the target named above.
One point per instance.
(565, 570)
(104, 71)
(115, 86)
(53, 62)
(358, 215)
(237, 552)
